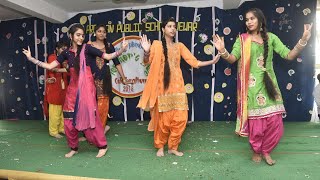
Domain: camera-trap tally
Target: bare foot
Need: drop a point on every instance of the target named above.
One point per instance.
(106, 129)
(256, 158)
(269, 160)
(58, 136)
(160, 152)
(70, 154)
(175, 152)
(102, 152)
(82, 139)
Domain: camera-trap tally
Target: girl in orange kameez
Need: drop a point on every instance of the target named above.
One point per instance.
(164, 91)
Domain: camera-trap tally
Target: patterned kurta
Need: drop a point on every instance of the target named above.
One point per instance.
(259, 103)
(174, 98)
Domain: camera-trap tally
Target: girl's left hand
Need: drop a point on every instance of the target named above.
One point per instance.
(124, 44)
(307, 32)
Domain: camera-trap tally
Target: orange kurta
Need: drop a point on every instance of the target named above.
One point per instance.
(168, 107)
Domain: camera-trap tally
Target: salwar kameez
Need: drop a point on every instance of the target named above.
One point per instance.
(80, 106)
(263, 116)
(169, 107)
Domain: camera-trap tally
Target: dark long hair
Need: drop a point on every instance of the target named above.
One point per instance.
(106, 82)
(166, 75)
(71, 31)
(271, 90)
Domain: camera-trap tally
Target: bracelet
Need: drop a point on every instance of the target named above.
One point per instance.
(226, 57)
(299, 42)
(225, 51)
(223, 55)
(115, 54)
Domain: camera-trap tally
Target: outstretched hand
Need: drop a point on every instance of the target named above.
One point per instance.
(145, 43)
(218, 42)
(27, 52)
(307, 32)
(216, 59)
(124, 44)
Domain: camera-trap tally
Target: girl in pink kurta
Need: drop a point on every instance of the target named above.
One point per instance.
(80, 104)
(164, 91)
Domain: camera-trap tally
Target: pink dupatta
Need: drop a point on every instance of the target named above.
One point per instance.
(86, 104)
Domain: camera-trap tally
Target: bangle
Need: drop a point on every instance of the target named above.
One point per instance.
(227, 56)
(225, 51)
(115, 54)
(299, 42)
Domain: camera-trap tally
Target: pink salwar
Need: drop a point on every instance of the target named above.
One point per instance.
(265, 133)
(95, 135)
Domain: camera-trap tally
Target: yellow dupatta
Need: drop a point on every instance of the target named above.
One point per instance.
(242, 85)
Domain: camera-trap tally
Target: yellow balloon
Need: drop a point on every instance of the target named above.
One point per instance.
(131, 15)
(116, 100)
(218, 97)
(83, 20)
(208, 49)
(64, 29)
(189, 88)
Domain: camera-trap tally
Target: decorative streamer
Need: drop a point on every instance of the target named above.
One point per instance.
(141, 110)
(177, 20)
(125, 111)
(57, 34)
(89, 18)
(45, 59)
(36, 49)
(213, 70)
(192, 51)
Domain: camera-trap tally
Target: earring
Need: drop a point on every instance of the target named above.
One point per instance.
(261, 29)
(94, 34)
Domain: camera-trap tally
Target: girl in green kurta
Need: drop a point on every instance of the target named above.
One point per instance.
(259, 100)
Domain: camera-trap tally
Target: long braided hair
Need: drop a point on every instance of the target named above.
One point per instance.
(106, 82)
(270, 87)
(166, 75)
(71, 31)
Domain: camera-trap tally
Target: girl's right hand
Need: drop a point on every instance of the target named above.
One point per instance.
(145, 43)
(218, 42)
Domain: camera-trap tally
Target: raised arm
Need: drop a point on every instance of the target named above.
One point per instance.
(44, 65)
(146, 44)
(113, 55)
(218, 42)
(192, 61)
(301, 43)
